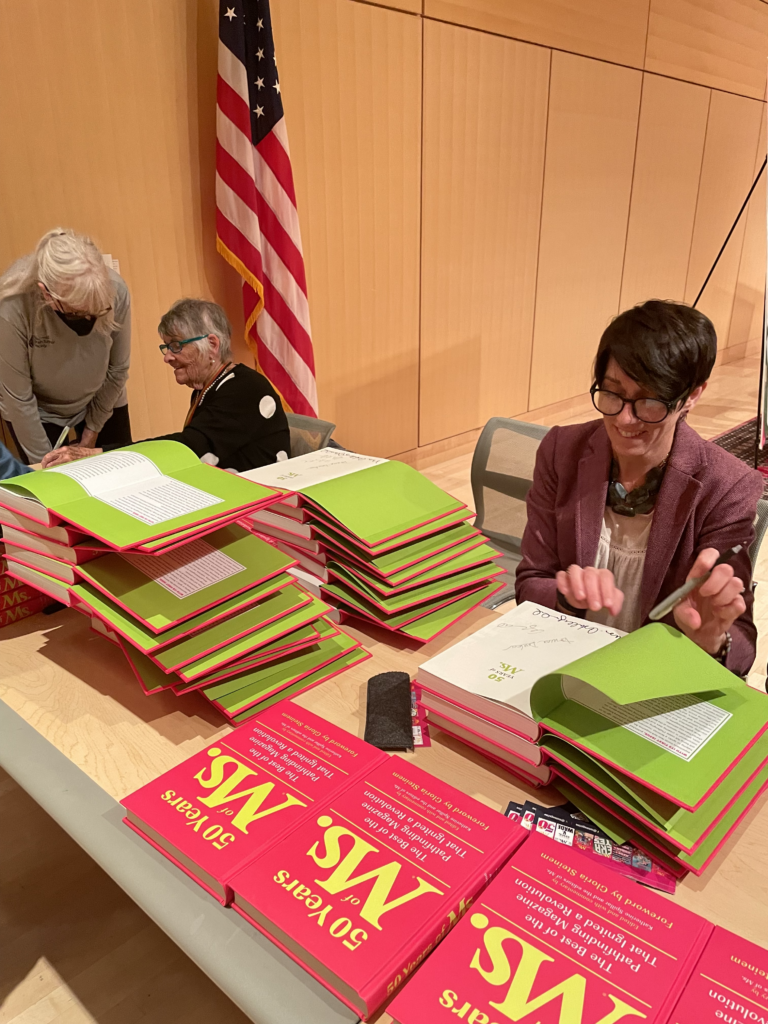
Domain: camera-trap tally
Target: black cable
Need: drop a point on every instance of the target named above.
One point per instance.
(728, 236)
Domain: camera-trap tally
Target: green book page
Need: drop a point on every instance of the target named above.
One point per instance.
(682, 720)
(254, 641)
(653, 661)
(429, 626)
(696, 860)
(244, 560)
(153, 678)
(382, 502)
(161, 543)
(147, 641)
(714, 735)
(410, 599)
(321, 522)
(339, 665)
(265, 681)
(297, 640)
(131, 495)
(409, 556)
(394, 621)
(684, 829)
(257, 616)
(466, 557)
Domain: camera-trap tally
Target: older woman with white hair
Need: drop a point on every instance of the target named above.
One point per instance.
(235, 417)
(65, 346)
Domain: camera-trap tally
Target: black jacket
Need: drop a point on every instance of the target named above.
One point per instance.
(240, 420)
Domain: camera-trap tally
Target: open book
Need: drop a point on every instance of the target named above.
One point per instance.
(127, 497)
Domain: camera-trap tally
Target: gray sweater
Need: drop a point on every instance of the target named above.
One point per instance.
(48, 373)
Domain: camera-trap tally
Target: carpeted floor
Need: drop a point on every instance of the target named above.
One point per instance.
(741, 442)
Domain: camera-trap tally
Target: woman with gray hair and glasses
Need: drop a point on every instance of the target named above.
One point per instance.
(65, 346)
(235, 417)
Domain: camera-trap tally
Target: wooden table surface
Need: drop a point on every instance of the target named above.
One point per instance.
(75, 688)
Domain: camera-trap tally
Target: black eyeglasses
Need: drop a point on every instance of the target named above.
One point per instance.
(177, 346)
(647, 410)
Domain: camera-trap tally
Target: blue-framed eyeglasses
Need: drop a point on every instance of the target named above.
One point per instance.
(177, 346)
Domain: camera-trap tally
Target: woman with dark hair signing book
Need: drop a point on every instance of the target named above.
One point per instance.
(624, 509)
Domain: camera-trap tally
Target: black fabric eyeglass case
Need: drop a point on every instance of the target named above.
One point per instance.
(388, 716)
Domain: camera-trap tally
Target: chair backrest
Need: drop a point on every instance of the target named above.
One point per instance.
(502, 474)
(761, 525)
(308, 434)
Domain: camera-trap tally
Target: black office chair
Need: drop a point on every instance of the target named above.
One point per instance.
(308, 434)
(502, 474)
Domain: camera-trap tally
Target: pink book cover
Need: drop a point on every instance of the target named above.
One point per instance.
(507, 760)
(8, 582)
(362, 890)
(646, 843)
(558, 939)
(512, 712)
(332, 546)
(728, 984)
(23, 611)
(25, 524)
(224, 805)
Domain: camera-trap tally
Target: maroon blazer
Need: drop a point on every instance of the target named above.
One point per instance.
(708, 499)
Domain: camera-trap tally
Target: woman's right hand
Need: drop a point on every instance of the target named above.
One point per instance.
(69, 453)
(590, 588)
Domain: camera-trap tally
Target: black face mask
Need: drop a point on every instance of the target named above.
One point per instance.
(81, 325)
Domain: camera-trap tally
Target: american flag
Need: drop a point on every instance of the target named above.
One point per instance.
(257, 226)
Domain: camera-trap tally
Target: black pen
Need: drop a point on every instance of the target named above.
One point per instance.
(666, 606)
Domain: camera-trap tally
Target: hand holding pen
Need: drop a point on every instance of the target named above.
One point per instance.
(710, 601)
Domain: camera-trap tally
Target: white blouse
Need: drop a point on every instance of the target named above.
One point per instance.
(621, 548)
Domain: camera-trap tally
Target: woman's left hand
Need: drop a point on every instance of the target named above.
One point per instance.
(709, 611)
(68, 454)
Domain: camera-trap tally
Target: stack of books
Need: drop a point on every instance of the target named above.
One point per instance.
(380, 541)
(144, 542)
(353, 862)
(17, 601)
(556, 937)
(650, 737)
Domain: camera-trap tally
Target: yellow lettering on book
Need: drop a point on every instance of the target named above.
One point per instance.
(518, 1004)
(384, 877)
(223, 793)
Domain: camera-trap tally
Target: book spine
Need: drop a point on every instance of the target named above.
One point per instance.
(23, 611)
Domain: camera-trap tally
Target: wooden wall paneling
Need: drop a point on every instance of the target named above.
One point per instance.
(721, 43)
(593, 117)
(121, 148)
(733, 130)
(747, 315)
(351, 76)
(665, 186)
(596, 28)
(411, 6)
(482, 181)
